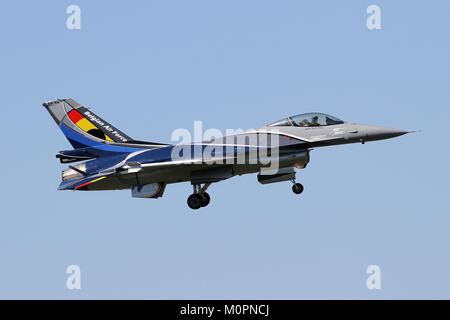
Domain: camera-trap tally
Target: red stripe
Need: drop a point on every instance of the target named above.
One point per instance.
(75, 116)
(82, 185)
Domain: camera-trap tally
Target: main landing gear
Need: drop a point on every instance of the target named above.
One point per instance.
(297, 188)
(200, 198)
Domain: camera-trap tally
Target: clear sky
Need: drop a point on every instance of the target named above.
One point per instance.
(150, 67)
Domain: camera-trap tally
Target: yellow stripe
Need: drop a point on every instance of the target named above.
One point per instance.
(97, 179)
(85, 125)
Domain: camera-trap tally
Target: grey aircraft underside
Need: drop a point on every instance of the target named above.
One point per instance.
(111, 160)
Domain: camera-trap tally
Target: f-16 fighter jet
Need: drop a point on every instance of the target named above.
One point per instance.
(111, 160)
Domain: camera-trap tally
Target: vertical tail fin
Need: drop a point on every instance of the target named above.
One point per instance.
(81, 126)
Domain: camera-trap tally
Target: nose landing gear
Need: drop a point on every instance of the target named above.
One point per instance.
(200, 198)
(297, 188)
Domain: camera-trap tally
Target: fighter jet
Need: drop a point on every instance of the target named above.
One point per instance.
(111, 160)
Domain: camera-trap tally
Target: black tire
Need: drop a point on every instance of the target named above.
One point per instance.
(194, 201)
(205, 199)
(297, 188)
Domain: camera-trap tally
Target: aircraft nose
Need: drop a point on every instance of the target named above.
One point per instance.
(377, 133)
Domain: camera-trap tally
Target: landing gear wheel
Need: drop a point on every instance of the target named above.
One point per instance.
(205, 199)
(297, 188)
(194, 201)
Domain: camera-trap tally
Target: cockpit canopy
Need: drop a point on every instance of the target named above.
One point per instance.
(308, 120)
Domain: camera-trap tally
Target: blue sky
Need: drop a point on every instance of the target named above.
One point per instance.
(150, 67)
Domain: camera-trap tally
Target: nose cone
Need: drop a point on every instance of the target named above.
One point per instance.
(379, 133)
